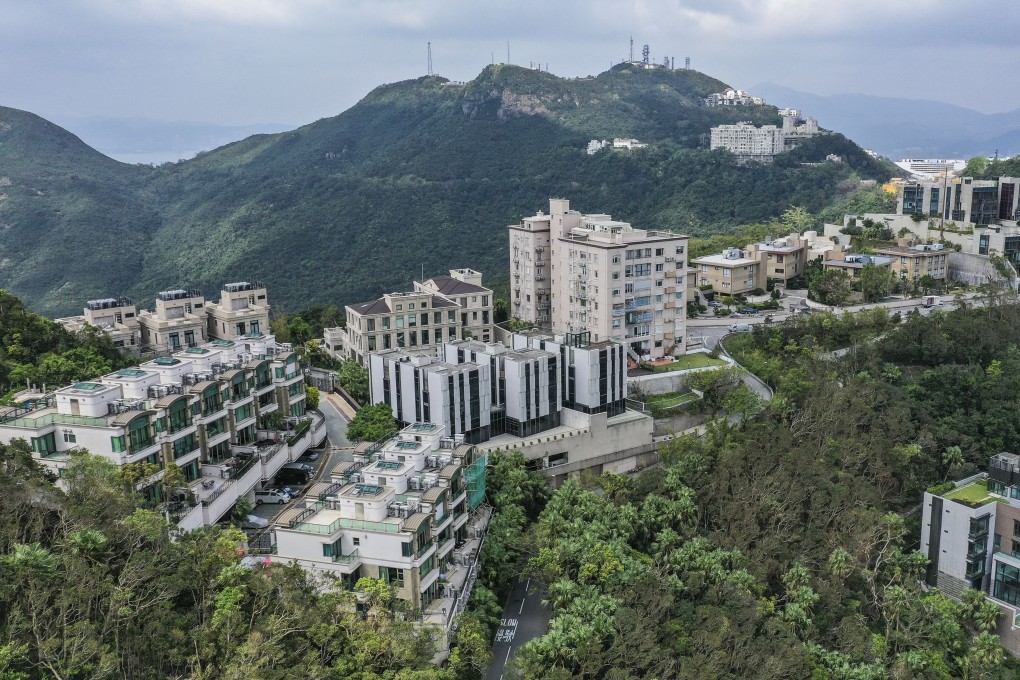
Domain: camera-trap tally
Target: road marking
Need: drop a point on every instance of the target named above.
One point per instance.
(525, 597)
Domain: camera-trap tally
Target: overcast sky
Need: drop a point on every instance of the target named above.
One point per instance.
(294, 61)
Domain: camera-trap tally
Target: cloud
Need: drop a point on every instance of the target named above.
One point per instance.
(230, 12)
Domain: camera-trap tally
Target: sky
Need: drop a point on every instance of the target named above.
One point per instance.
(242, 62)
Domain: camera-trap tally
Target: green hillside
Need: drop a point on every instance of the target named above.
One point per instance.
(423, 173)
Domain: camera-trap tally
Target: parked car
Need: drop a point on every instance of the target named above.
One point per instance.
(291, 475)
(254, 522)
(715, 303)
(311, 455)
(740, 328)
(747, 310)
(271, 496)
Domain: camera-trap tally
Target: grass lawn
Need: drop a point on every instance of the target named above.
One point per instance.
(670, 399)
(687, 361)
(976, 492)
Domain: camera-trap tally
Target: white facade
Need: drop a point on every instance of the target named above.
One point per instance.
(205, 409)
(397, 512)
(748, 142)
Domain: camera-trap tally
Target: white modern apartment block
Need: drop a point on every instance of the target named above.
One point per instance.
(207, 409)
(748, 142)
(732, 97)
(243, 310)
(420, 320)
(578, 273)
(398, 512)
(117, 317)
(560, 399)
(971, 537)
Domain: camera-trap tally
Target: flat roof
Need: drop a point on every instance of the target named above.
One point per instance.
(723, 261)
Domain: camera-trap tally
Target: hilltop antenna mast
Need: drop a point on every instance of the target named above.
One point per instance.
(632, 48)
(430, 58)
(644, 53)
(507, 51)
(687, 63)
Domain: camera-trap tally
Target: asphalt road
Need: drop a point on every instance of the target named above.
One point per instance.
(524, 619)
(336, 421)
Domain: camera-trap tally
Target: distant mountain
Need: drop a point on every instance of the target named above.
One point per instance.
(905, 128)
(141, 140)
(424, 173)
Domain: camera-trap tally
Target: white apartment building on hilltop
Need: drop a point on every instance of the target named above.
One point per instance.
(748, 142)
(577, 273)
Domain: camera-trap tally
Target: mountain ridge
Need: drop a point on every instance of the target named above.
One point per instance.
(421, 173)
(903, 127)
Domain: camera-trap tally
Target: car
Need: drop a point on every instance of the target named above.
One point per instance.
(740, 328)
(747, 310)
(254, 522)
(715, 303)
(271, 496)
(310, 456)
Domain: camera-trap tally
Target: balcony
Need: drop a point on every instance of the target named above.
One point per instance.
(347, 559)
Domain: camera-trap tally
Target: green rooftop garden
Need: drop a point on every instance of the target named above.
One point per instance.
(685, 362)
(975, 493)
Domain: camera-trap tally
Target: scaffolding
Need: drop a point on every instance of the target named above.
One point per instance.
(474, 474)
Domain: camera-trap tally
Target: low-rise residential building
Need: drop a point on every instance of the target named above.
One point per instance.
(177, 321)
(415, 320)
(732, 97)
(781, 259)
(733, 272)
(560, 399)
(962, 200)
(910, 263)
(207, 409)
(243, 309)
(971, 537)
(852, 264)
(117, 317)
(464, 286)
(398, 512)
(438, 310)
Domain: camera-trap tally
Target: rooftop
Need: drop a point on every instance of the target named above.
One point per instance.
(975, 493)
(722, 261)
(447, 285)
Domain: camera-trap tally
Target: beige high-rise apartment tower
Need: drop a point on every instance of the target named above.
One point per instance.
(578, 273)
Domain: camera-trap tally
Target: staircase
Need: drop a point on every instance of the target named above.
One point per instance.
(633, 355)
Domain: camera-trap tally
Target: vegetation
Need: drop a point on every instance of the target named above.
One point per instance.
(35, 350)
(345, 208)
(353, 377)
(94, 586)
(781, 546)
(371, 423)
(685, 362)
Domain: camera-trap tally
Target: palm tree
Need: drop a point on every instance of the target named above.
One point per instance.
(88, 543)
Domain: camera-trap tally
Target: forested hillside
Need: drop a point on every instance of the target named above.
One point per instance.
(423, 173)
(783, 547)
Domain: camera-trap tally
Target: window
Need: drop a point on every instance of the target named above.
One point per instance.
(410, 305)
(332, 549)
(405, 549)
(370, 325)
(679, 250)
(400, 308)
(658, 267)
(658, 252)
(69, 437)
(357, 541)
(437, 318)
(189, 338)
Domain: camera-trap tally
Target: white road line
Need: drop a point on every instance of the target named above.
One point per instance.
(508, 654)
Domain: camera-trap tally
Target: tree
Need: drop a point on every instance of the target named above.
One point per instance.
(831, 287)
(798, 219)
(876, 282)
(312, 396)
(371, 423)
(500, 310)
(353, 377)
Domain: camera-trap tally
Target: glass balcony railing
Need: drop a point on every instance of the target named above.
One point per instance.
(346, 559)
